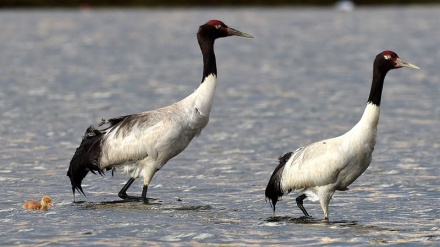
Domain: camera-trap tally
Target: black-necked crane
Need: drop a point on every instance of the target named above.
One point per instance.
(143, 143)
(319, 169)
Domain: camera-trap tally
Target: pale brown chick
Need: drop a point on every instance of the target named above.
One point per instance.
(46, 201)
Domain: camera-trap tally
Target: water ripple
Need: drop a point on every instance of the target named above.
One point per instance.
(304, 77)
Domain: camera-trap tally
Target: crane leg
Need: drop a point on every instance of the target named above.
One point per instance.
(123, 193)
(144, 193)
(299, 202)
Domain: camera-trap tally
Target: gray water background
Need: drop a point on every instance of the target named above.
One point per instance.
(304, 77)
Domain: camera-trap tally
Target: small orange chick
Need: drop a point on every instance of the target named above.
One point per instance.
(34, 205)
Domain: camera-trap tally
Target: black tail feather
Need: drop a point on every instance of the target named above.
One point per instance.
(273, 189)
(85, 159)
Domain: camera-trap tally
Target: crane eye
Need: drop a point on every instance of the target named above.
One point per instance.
(387, 57)
(217, 26)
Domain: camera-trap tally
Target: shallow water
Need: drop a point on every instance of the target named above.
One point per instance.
(304, 77)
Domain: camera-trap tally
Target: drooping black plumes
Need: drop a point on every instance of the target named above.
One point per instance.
(86, 158)
(273, 189)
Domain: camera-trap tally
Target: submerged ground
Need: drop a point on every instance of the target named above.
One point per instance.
(305, 76)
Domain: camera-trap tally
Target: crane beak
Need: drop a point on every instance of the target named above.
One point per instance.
(233, 32)
(401, 63)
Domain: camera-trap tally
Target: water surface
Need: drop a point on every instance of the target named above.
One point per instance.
(305, 76)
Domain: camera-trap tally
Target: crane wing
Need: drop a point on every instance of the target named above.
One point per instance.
(314, 165)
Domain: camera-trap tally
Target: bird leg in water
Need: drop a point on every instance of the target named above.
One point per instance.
(123, 193)
(299, 202)
(144, 194)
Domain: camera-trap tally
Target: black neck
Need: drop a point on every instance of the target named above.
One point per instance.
(377, 86)
(209, 64)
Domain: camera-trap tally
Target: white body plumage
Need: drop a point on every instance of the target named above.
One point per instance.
(154, 137)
